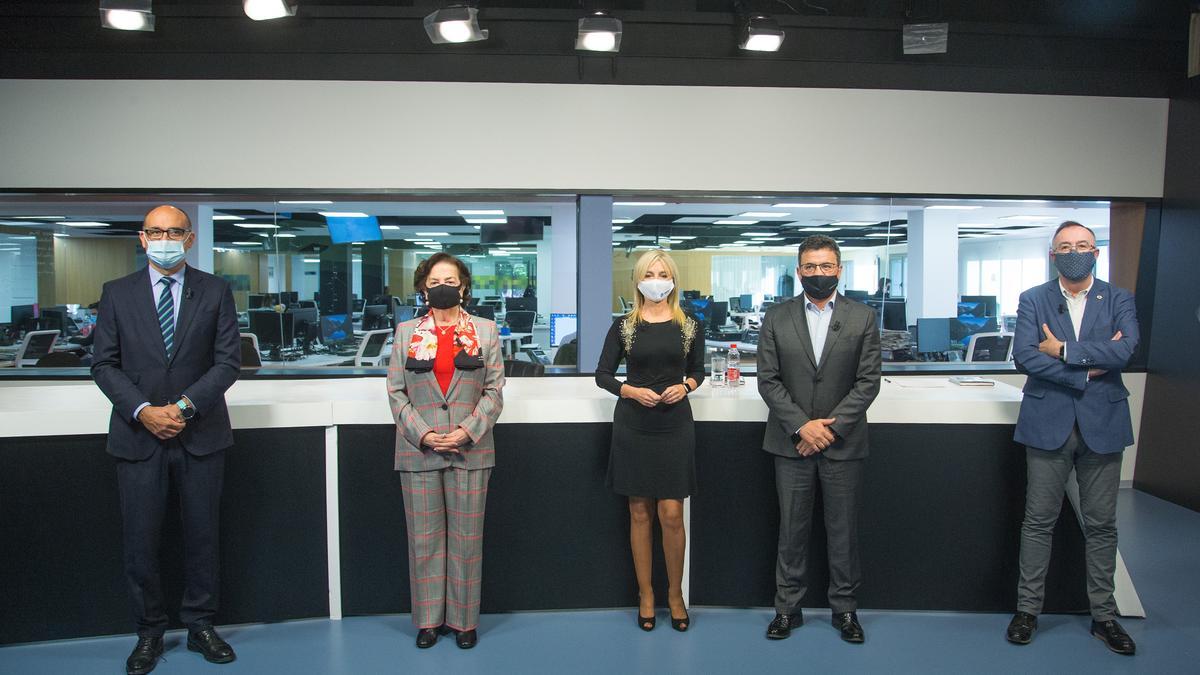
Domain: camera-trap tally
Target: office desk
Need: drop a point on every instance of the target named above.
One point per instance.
(511, 343)
(311, 361)
(313, 523)
(743, 347)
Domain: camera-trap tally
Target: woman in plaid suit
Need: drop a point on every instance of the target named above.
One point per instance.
(445, 383)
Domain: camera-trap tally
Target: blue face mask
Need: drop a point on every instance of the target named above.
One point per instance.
(1074, 266)
(165, 253)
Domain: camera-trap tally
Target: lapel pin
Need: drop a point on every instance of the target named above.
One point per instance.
(1099, 297)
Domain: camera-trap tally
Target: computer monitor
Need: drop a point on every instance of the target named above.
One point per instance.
(562, 325)
(484, 312)
(747, 302)
(735, 303)
(691, 295)
(288, 297)
(373, 316)
(306, 324)
(359, 304)
(256, 300)
(54, 318)
(964, 326)
(402, 313)
(336, 329)
(699, 308)
(977, 305)
(520, 304)
(22, 315)
(933, 335)
(271, 328)
(894, 315)
(719, 314)
(857, 295)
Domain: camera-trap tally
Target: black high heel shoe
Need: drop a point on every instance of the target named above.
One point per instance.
(683, 624)
(646, 623)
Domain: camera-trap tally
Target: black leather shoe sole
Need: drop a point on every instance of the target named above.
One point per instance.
(143, 669)
(853, 639)
(1018, 640)
(193, 647)
(1111, 648)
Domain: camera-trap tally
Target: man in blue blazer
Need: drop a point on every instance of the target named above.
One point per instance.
(1074, 335)
(166, 350)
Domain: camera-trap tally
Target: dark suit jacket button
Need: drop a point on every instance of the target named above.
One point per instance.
(445, 407)
(816, 379)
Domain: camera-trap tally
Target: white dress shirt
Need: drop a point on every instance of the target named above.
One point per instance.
(176, 295)
(818, 324)
(1075, 306)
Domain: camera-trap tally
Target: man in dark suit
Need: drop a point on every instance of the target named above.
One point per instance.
(818, 372)
(1074, 335)
(166, 350)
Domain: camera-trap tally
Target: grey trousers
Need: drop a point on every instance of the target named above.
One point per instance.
(796, 482)
(1099, 476)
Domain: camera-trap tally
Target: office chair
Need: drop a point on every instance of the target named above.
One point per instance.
(36, 344)
(520, 320)
(371, 349)
(996, 347)
(523, 369)
(60, 360)
(567, 354)
(251, 358)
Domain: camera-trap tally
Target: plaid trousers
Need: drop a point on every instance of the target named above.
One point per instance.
(444, 513)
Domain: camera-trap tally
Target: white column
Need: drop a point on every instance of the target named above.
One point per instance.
(932, 264)
(563, 235)
(201, 254)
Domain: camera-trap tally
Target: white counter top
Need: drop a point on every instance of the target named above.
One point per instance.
(73, 408)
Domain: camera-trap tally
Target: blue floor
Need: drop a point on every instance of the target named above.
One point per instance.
(1159, 541)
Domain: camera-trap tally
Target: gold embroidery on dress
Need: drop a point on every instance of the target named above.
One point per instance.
(628, 327)
(689, 333)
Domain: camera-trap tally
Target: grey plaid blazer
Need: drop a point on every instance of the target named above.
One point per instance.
(473, 402)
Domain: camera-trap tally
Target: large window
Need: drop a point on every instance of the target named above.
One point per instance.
(954, 267)
(311, 278)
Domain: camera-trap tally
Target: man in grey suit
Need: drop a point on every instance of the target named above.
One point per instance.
(818, 371)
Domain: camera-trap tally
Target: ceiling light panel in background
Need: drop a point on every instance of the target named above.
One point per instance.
(761, 34)
(598, 33)
(454, 25)
(263, 10)
(135, 15)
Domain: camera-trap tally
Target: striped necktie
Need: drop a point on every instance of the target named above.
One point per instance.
(166, 314)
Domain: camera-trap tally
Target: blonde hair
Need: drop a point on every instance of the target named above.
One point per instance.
(639, 272)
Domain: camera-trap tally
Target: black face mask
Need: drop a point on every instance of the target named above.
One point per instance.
(442, 297)
(819, 286)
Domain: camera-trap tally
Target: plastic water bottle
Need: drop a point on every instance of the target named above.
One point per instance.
(733, 367)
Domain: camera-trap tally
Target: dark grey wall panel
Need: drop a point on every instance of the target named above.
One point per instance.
(60, 535)
(1168, 461)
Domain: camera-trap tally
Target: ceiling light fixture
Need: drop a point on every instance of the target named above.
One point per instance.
(480, 212)
(639, 203)
(617, 227)
(854, 223)
(798, 206)
(285, 235)
(86, 223)
(222, 216)
(454, 25)
(256, 226)
(263, 10)
(433, 234)
(761, 33)
(343, 214)
(134, 15)
(246, 243)
(389, 227)
(486, 221)
(598, 33)
(304, 201)
(734, 222)
(763, 214)
(951, 207)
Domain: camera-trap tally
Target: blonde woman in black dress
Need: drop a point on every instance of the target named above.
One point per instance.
(653, 442)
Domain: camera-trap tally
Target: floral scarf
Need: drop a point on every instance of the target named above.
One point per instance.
(422, 348)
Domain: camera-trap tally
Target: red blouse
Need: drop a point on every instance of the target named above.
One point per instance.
(443, 365)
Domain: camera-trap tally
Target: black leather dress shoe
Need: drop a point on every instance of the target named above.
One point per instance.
(1114, 637)
(210, 645)
(851, 630)
(144, 656)
(1021, 628)
(782, 625)
(465, 639)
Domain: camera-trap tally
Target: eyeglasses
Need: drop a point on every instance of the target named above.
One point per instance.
(1081, 247)
(823, 268)
(174, 233)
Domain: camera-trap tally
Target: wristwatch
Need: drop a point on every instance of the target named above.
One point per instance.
(186, 409)
(1062, 352)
